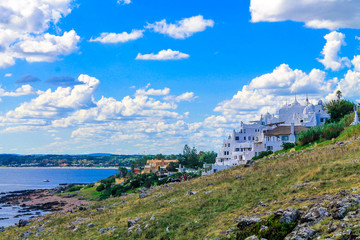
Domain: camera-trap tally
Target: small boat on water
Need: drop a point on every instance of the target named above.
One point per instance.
(45, 180)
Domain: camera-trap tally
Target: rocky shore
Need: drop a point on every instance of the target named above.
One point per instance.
(33, 203)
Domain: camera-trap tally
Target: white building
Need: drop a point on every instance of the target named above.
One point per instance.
(268, 133)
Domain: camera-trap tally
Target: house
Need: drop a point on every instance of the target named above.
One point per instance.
(152, 166)
(268, 133)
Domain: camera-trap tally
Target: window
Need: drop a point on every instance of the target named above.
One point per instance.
(321, 120)
(285, 138)
(244, 138)
(244, 130)
(229, 145)
(269, 148)
(253, 139)
(224, 153)
(249, 138)
(237, 138)
(237, 149)
(255, 154)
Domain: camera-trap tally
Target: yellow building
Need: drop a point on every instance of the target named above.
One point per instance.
(152, 166)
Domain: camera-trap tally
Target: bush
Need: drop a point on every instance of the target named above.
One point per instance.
(90, 185)
(324, 132)
(100, 188)
(74, 188)
(262, 154)
(275, 230)
(288, 145)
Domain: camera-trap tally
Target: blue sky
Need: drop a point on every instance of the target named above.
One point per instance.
(150, 76)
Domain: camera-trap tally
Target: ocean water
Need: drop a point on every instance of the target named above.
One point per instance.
(16, 179)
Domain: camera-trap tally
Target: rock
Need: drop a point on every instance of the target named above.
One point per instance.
(190, 193)
(172, 201)
(249, 163)
(23, 223)
(131, 223)
(143, 195)
(138, 230)
(209, 184)
(303, 233)
(75, 230)
(244, 222)
(91, 225)
(27, 234)
(40, 230)
(254, 238)
(208, 192)
(2, 229)
(167, 229)
(152, 218)
(297, 186)
(137, 219)
(289, 216)
(101, 208)
(102, 230)
(339, 213)
(82, 208)
(239, 178)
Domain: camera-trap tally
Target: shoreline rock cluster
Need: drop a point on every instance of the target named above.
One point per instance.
(332, 217)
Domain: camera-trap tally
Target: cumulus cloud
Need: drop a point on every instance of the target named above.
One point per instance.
(63, 81)
(27, 78)
(331, 60)
(21, 91)
(182, 29)
(124, 2)
(163, 55)
(270, 91)
(23, 31)
(50, 104)
(331, 15)
(8, 75)
(119, 37)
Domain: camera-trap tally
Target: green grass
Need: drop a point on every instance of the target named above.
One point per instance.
(325, 169)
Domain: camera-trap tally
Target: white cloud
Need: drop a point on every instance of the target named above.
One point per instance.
(8, 75)
(23, 31)
(124, 2)
(21, 91)
(152, 92)
(356, 63)
(119, 37)
(270, 91)
(182, 29)
(329, 14)
(163, 55)
(331, 60)
(47, 47)
(52, 104)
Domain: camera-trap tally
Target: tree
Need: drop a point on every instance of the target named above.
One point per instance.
(208, 157)
(190, 158)
(338, 95)
(159, 156)
(123, 171)
(339, 108)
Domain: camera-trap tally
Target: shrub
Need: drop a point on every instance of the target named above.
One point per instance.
(74, 188)
(262, 154)
(100, 188)
(90, 185)
(288, 145)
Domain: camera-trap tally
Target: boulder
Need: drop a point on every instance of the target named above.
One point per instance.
(244, 222)
(102, 230)
(91, 225)
(143, 195)
(289, 216)
(23, 223)
(131, 223)
(190, 193)
(303, 233)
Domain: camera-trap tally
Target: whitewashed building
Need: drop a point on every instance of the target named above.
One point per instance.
(268, 133)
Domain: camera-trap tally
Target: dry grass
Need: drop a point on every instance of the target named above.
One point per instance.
(320, 170)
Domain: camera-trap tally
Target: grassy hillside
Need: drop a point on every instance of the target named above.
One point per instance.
(269, 185)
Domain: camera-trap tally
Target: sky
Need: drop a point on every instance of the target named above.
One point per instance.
(148, 77)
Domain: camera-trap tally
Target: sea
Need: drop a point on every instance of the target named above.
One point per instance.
(17, 179)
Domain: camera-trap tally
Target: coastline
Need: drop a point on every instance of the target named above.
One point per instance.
(59, 167)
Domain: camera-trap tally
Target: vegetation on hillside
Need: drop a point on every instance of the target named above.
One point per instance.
(216, 200)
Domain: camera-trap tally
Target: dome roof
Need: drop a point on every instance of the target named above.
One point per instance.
(309, 109)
